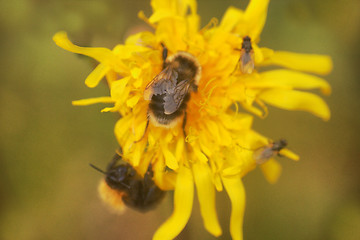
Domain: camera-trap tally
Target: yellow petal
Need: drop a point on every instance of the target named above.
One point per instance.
(217, 182)
(179, 149)
(255, 15)
(271, 170)
(213, 127)
(289, 154)
(206, 145)
(135, 72)
(236, 121)
(206, 195)
(186, 5)
(96, 75)
(132, 101)
(164, 179)
(115, 108)
(225, 136)
(232, 170)
(103, 55)
(296, 100)
(288, 79)
(266, 52)
(160, 15)
(177, 7)
(171, 32)
(193, 22)
(231, 17)
(122, 127)
(143, 17)
(161, 4)
(320, 64)
(183, 201)
(111, 76)
(137, 157)
(235, 189)
(89, 101)
(142, 39)
(200, 157)
(170, 159)
(258, 54)
(260, 113)
(127, 51)
(118, 87)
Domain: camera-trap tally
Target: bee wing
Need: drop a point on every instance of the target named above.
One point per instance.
(246, 61)
(173, 100)
(162, 83)
(263, 154)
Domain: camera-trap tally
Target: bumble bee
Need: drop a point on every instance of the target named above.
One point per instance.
(169, 91)
(263, 154)
(123, 185)
(246, 60)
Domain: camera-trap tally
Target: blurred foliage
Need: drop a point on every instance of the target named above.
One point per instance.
(47, 189)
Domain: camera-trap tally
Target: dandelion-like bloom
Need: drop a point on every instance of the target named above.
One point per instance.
(217, 149)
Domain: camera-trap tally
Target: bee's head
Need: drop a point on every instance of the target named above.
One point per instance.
(116, 177)
(120, 173)
(283, 143)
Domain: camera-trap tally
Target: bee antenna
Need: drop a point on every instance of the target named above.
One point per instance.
(96, 168)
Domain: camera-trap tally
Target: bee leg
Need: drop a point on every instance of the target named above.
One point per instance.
(151, 192)
(114, 160)
(184, 124)
(279, 154)
(164, 54)
(148, 182)
(152, 195)
(146, 127)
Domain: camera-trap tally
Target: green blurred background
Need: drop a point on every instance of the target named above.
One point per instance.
(47, 189)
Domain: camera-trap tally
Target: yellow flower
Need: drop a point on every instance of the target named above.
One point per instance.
(217, 150)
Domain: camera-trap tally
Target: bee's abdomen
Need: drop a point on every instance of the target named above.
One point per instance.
(156, 107)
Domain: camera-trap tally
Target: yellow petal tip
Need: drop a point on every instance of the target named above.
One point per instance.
(289, 154)
(90, 84)
(59, 36)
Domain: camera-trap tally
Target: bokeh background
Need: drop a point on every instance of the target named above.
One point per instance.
(48, 190)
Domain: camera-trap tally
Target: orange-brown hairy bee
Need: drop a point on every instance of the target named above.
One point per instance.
(263, 154)
(170, 90)
(123, 185)
(246, 60)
